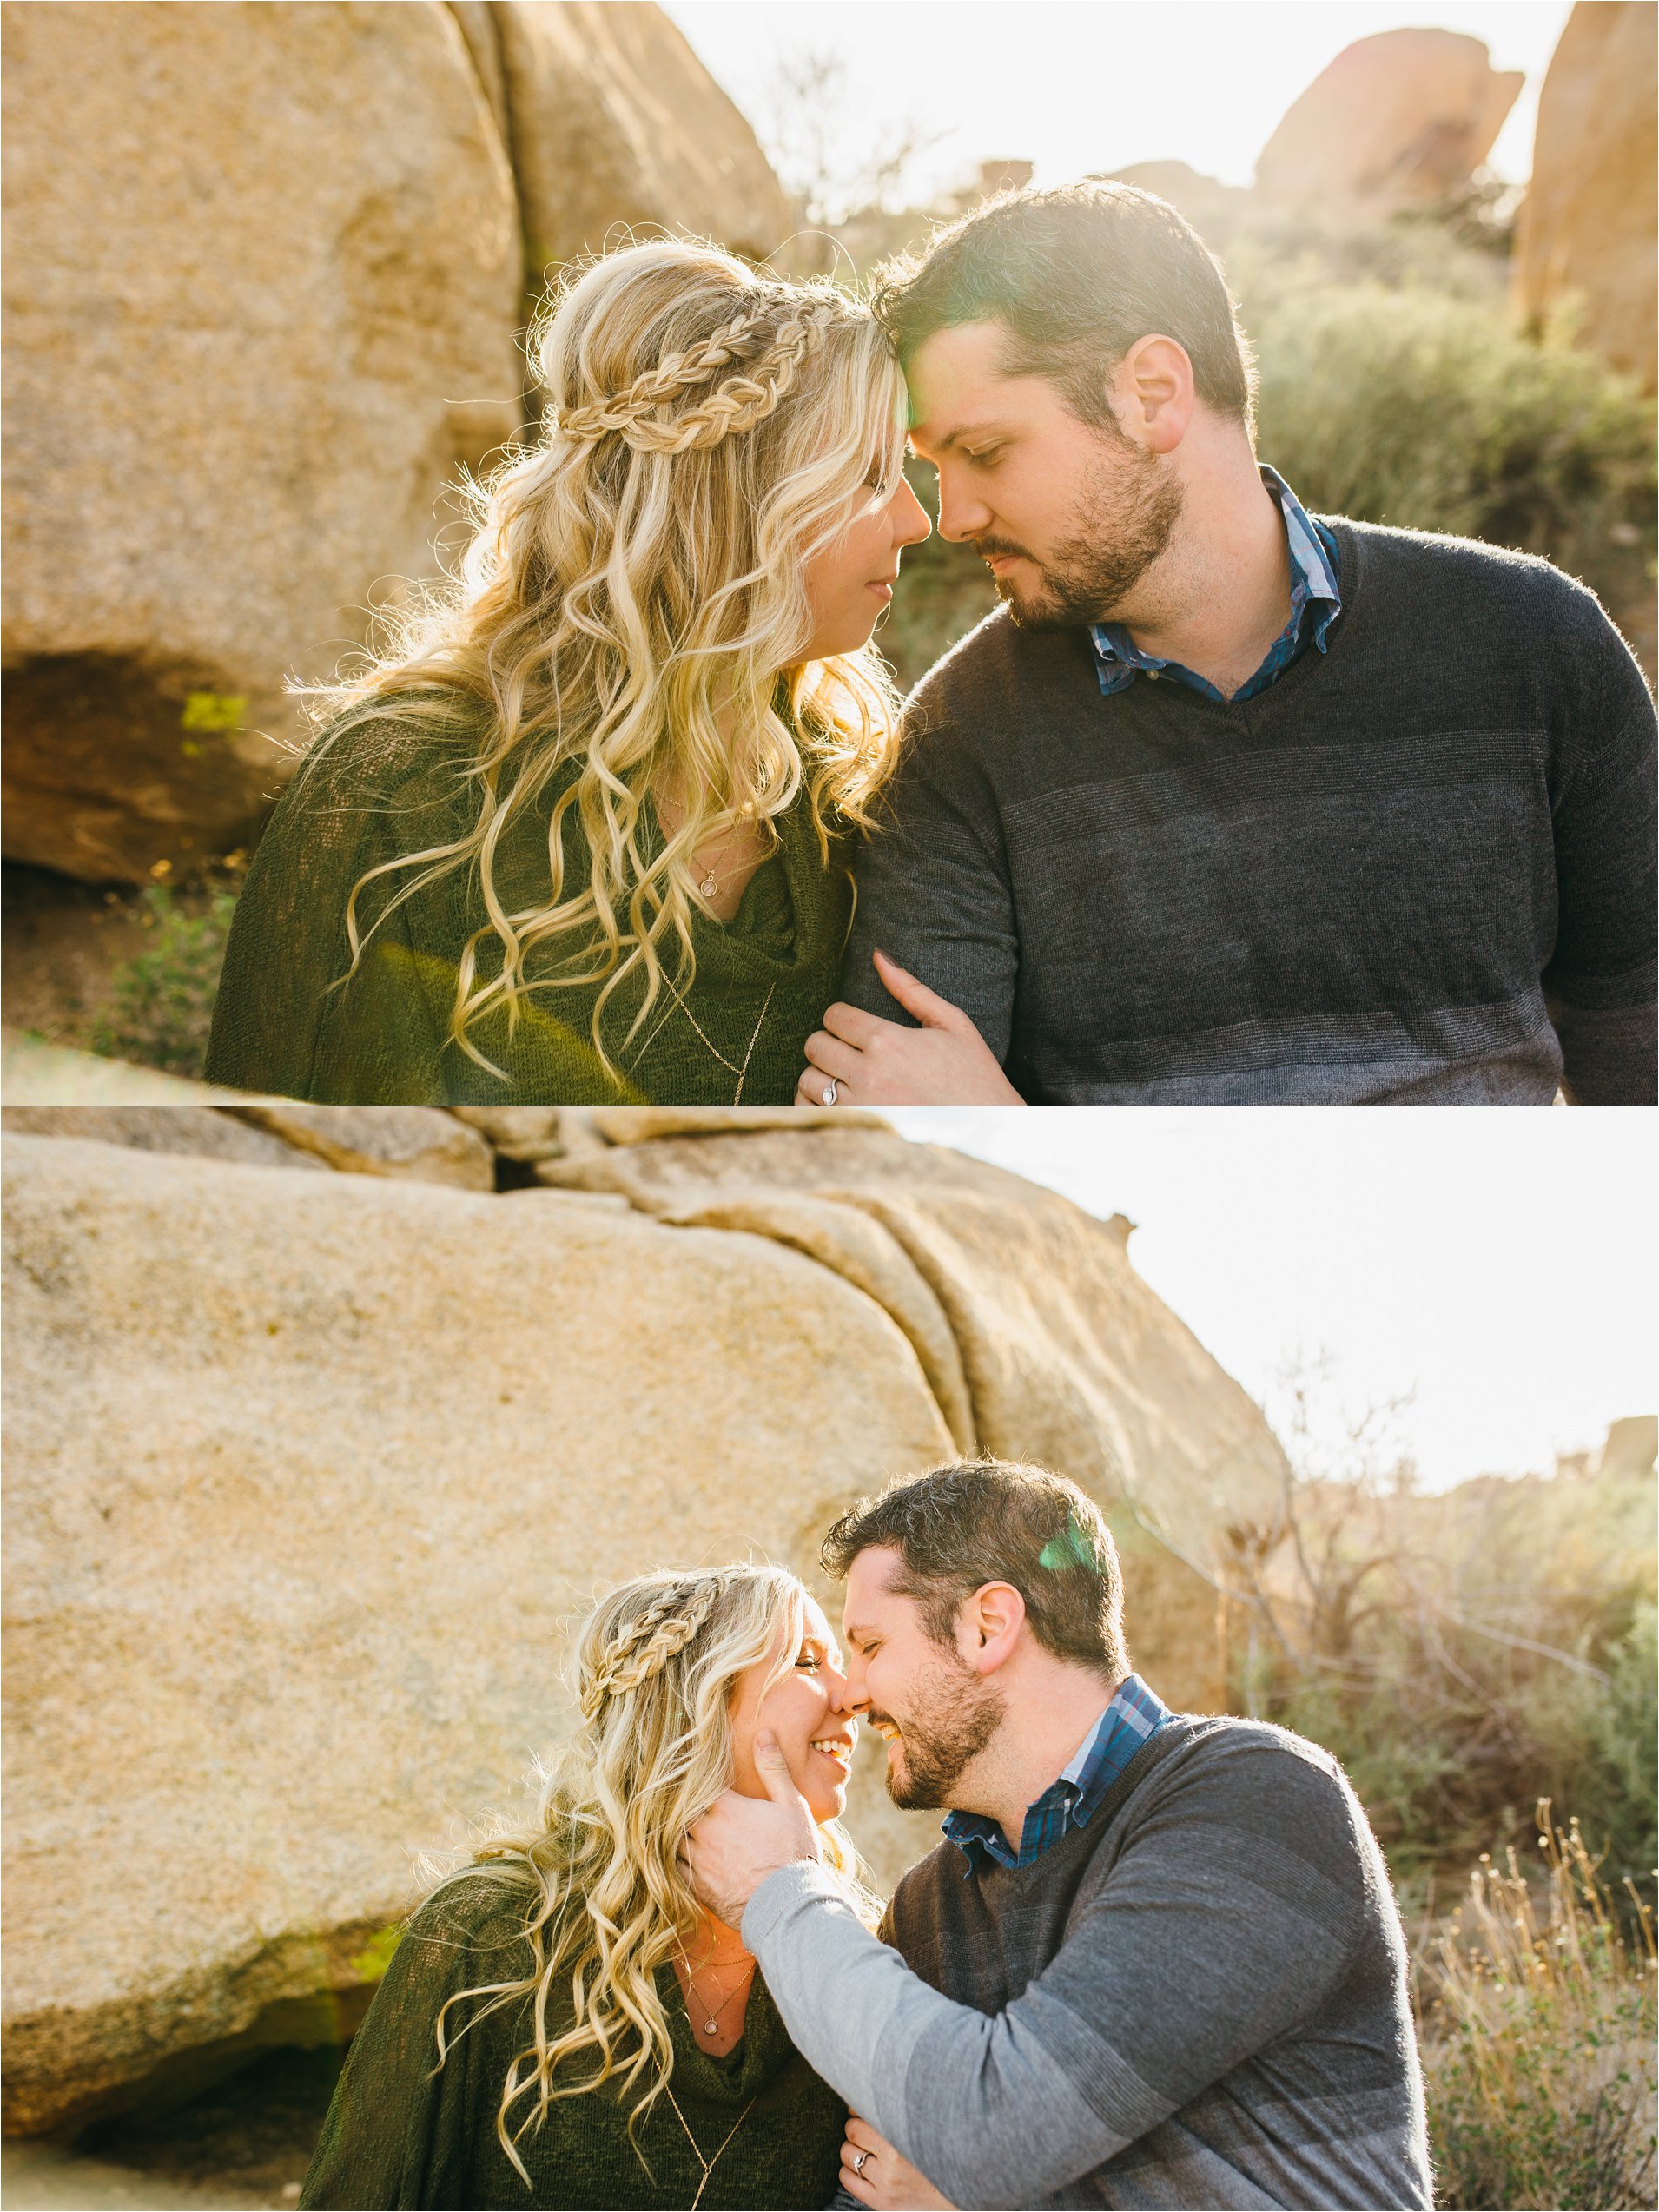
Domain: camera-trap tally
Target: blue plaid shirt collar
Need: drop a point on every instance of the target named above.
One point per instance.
(1316, 601)
(1133, 1718)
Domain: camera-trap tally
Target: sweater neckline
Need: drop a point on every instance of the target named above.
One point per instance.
(1087, 1838)
(1247, 713)
(750, 2066)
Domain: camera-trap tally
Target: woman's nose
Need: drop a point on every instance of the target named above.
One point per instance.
(911, 522)
(840, 1696)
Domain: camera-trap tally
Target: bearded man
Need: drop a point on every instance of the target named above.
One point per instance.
(1226, 802)
(1157, 1960)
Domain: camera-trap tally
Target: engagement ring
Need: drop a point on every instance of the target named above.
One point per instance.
(861, 2159)
(829, 1090)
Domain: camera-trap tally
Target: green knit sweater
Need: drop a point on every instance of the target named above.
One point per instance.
(400, 2133)
(285, 1022)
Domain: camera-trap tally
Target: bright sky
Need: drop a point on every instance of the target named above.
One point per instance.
(1500, 1262)
(1076, 85)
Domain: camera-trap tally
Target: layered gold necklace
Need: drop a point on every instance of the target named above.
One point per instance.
(707, 2164)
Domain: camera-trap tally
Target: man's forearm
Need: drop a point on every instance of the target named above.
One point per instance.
(977, 2104)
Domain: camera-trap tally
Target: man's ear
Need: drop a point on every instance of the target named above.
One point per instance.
(988, 1625)
(1152, 392)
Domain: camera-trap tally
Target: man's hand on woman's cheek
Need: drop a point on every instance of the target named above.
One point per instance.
(873, 1062)
(740, 1840)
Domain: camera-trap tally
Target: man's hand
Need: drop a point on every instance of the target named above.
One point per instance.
(872, 2171)
(740, 1840)
(873, 1062)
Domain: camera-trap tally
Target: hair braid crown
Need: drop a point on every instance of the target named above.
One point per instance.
(643, 1646)
(736, 405)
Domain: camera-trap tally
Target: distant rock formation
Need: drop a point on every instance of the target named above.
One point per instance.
(1588, 232)
(250, 336)
(1399, 120)
(308, 1472)
(1215, 209)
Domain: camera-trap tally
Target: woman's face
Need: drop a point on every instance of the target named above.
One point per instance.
(806, 1711)
(849, 582)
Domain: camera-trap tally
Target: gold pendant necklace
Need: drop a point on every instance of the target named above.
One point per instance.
(707, 2164)
(712, 2025)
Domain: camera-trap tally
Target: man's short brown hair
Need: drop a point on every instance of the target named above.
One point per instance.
(992, 1521)
(1075, 277)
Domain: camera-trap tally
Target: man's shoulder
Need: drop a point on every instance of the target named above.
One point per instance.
(1461, 575)
(1215, 1743)
(999, 668)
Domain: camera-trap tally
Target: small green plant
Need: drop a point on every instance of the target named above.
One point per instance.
(161, 1003)
(1539, 2039)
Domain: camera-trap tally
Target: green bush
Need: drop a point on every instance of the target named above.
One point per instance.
(1419, 408)
(161, 1003)
(1466, 1653)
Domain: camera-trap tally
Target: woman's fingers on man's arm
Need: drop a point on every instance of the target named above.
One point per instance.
(859, 2136)
(854, 2185)
(913, 995)
(853, 1026)
(833, 1054)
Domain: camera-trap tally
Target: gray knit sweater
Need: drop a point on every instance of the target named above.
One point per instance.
(1418, 867)
(1198, 1999)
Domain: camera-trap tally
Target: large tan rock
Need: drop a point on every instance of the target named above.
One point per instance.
(1588, 233)
(1399, 120)
(210, 1135)
(418, 1144)
(262, 272)
(309, 1474)
(616, 123)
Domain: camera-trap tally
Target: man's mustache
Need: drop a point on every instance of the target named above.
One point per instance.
(987, 548)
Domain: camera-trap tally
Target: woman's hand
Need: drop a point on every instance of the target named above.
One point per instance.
(873, 1062)
(883, 2178)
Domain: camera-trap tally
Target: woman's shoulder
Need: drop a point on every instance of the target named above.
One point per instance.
(414, 748)
(482, 1908)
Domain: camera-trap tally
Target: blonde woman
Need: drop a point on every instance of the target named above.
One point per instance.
(579, 836)
(563, 2024)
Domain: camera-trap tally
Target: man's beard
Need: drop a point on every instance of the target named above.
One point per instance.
(949, 1726)
(1127, 514)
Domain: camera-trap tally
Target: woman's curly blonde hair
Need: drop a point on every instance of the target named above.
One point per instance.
(607, 1904)
(630, 619)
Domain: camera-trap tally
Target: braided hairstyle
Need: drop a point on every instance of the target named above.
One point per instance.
(632, 619)
(770, 343)
(605, 1903)
(616, 1659)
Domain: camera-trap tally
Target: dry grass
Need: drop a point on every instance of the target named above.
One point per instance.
(1538, 2039)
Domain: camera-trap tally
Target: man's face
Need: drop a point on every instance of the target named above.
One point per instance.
(936, 1713)
(1068, 518)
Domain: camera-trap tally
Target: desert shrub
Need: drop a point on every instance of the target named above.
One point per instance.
(1463, 1653)
(1416, 406)
(1537, 2038)
(160, 1006)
